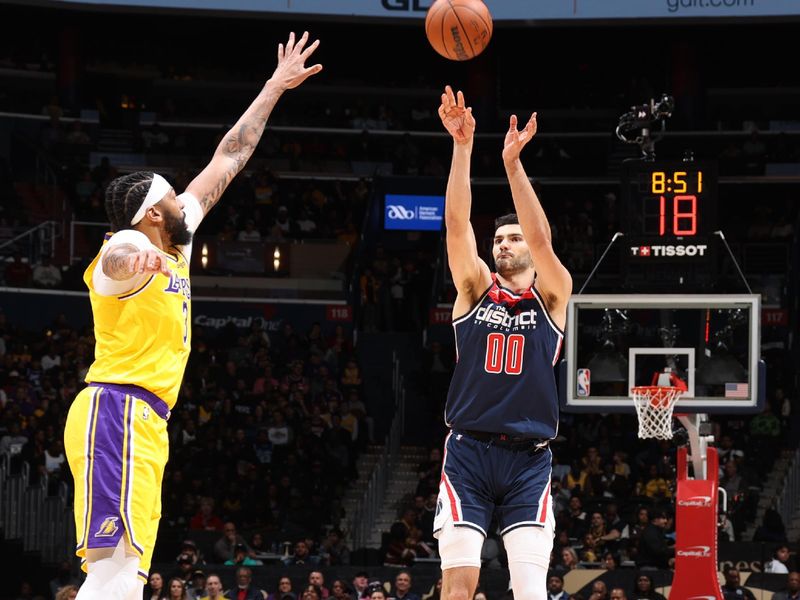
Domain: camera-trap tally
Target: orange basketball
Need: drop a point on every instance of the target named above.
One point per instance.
(458, 29)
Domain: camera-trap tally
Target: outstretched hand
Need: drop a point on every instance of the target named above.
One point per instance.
(291, 70)
(456, 118)
(515, 140)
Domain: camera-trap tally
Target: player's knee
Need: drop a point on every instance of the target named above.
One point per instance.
(459, 547)
(529, 545)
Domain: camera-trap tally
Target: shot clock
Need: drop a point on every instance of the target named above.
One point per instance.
(673, 199)
(669, 211)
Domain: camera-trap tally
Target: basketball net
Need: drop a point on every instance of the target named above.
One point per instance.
(654, 406)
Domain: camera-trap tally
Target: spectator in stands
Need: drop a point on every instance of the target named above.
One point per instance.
(176, 589)
(644, 589)
(197, 584)
(569, 560)
(430, 472)
(618, 594)
(334, 549)
(732, 589)
(732, 481)
(244, 589)
(402, 587)
(360, 585)
(240, 558)
(213, 588)
(339, 590)
(154, 590)
(655, 549)
(656, 486)
(311, 592)
(301, 556)
(610, 561)
(780, 560)
(224, 547)
(396, 552)
(68, 592)
(555, 587)
(205, 519)
(65, 576)
(317, 579)
(792, 591)
(283, 591)
(249, 233)
(185, 569)
(772, 528)
(727, 451)
(599, 590)
(46, 274)
(765, 436)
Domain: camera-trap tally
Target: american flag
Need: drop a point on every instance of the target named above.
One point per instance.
(737, 390)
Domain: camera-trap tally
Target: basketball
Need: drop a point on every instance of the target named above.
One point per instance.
(458, 29)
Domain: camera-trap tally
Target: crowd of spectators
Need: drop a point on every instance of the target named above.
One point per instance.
(278, 416)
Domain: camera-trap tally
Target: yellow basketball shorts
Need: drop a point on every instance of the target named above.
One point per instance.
(117, 447)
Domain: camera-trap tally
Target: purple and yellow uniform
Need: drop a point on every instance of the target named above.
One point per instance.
(116, 432)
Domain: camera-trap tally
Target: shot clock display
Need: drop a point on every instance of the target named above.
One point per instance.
(670, 199)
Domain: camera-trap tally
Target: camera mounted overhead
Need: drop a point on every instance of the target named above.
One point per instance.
(635, 127)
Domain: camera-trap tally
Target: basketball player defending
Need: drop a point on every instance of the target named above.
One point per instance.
(116, 431)
(502, 405)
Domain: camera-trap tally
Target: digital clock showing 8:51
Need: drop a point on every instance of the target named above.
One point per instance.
(670, 199)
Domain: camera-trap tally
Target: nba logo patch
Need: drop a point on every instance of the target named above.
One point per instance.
(145, 413)
(108, 527)
(584, 383)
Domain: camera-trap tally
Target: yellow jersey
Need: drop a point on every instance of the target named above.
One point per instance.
(143, 337)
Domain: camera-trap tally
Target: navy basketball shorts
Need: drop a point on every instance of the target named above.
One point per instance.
(481, 479)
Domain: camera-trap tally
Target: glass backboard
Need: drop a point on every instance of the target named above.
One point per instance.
(710, 342)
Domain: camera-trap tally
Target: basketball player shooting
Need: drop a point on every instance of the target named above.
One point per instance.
(502, 405)
(116, 431)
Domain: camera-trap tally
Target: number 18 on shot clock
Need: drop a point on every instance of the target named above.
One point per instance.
(669, 215)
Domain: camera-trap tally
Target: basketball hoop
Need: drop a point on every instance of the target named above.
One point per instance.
(654, 405)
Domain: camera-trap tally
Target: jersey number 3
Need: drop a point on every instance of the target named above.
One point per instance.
(504, 353)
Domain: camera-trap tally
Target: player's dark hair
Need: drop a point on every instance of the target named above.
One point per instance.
(124, 196)
(509, 219)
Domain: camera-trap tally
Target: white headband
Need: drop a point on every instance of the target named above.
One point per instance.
(158, 189)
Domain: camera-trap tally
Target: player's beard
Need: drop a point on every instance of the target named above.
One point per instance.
(177, 230)
(509, 266)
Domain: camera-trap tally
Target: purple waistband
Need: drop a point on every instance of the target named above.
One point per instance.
(156, 403)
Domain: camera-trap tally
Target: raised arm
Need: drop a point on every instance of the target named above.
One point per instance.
(470, 274)
(553, 279)
(239, 143)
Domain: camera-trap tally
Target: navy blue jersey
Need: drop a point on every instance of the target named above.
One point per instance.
(506, 346)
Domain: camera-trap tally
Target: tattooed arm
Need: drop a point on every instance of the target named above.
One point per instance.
(239, 143)
(123, 261)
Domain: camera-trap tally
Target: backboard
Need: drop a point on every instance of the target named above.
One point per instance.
(710, 341)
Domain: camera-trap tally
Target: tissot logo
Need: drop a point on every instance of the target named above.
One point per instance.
(695, 552)
(696, 501)
(676, 250)
(396, 211)
(407, 5)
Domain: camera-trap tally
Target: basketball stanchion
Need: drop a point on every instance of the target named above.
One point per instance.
(696, 499)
